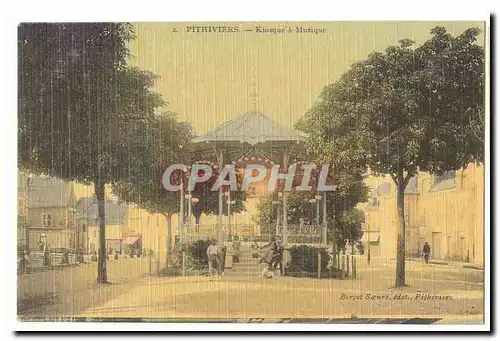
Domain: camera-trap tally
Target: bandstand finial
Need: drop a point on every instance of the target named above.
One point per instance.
(254, 95)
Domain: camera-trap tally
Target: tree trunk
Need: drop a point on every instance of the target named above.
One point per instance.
(400, 262)
(168, 216)
(101, 209)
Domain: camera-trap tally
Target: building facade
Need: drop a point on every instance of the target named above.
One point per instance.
(447, 211)
(88, 224)
(50, 214)
(22, 196)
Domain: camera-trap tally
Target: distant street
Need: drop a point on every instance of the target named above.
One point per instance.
(433, 291)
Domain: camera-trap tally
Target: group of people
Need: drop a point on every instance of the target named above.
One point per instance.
(216, 256)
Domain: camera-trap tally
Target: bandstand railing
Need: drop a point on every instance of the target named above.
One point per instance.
(295, 233)
(209, 231)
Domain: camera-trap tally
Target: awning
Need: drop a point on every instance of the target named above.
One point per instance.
(130, 240)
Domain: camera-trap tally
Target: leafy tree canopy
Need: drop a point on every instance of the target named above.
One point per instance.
(408, 109)
(83, 114)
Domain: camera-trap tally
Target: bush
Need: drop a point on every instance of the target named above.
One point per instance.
(196, 255)
(304, 262)
(305, 258)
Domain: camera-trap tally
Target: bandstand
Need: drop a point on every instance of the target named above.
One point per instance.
(253, 137)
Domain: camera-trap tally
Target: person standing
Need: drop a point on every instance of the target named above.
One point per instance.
(221, 256)
(213, 258)
(236, 249)
(426, 251)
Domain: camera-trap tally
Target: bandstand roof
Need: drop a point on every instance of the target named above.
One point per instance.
(251, 130)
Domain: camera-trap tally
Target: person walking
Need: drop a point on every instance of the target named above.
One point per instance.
(269, 258)
(277, 259)
(426, 251)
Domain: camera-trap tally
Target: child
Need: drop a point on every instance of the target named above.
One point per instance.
(255, 248)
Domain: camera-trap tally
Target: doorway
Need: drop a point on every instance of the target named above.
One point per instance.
(436, 245)
(463, 251)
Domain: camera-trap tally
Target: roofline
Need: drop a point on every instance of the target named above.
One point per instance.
(204, 139)
(301, 136)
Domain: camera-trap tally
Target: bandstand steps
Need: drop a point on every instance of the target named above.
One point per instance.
(247, 266)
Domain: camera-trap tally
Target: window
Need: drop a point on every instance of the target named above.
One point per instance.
(47, 220)
(84, 228)
(375, 201)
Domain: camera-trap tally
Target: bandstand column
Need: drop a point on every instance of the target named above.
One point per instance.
(323, 221)
(220, 232)
(285, 210)
(229, 212)
(181, 212)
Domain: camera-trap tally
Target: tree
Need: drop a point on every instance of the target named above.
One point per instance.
(349, 224)
(172, 140)
(83, 115)
(406, 110)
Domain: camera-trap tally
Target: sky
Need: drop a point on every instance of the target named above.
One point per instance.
(209, 78)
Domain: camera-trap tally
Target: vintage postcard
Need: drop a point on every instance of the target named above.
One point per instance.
(253, 172)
